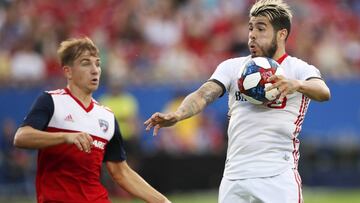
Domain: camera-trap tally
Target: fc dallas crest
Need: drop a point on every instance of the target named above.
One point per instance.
(104, 125)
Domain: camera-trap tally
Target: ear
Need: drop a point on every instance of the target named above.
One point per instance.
(67, 72)
(282, 34)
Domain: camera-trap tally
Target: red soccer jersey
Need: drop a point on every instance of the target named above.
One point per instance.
(66, 174)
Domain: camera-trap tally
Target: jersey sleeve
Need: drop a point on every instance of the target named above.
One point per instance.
(308, 71)
(228, 71)
(40, 113)
(222, 76)
(115, 148)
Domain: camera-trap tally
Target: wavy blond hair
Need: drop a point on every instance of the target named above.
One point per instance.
(277, 11)
(71, 49)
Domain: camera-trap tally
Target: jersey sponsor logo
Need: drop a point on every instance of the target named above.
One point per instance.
(275, 104)
(239, 97)
(104, 125)
(99, 144)
(69, 118)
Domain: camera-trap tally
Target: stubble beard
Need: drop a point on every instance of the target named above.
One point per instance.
(270, 52)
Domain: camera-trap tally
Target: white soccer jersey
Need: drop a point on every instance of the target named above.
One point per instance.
(70, 114)
(262, 140)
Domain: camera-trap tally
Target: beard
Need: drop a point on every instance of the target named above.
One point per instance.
(270, 52)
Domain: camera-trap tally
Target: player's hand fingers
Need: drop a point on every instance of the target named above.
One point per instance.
(274, 78)
(147, 121)
(85, 141)
(269, 88)
(281, 98)
(149, 126)
(85, 145)
(89, 138)
(283, 94)
(151, 119)
(78, 145)
(273, 86)
(156, 130)
(155, 116)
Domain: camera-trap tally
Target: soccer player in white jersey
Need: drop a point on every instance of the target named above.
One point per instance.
(74, 135)
(263, 148)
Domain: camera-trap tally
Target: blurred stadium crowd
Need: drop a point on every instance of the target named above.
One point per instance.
(155, 42)
(166, 41)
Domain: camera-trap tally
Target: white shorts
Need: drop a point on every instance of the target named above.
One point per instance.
(283, 188)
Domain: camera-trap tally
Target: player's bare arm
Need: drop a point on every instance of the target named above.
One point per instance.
(193, 104)
(314, 88)
(198, 100)
(128, 179)
(28, 137)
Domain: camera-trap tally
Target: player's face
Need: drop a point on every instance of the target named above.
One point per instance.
(85, 72)
(262, 38)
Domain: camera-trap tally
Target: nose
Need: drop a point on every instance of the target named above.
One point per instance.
(95, 70)
(252, 35)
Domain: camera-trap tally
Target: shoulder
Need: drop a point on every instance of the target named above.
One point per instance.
(56, 92)
(300, 69)
(45, 97)
(296, 62)
(96, 103)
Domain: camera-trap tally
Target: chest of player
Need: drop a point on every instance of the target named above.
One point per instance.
(70, 116)
(290, 102)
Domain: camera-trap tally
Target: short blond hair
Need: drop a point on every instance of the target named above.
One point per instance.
(277, 11)
(70, 49)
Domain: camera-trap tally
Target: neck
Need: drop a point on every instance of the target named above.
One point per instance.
(84, 97)
(279, 52)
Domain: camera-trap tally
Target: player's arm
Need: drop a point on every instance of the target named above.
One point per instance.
(193, 104)
(31, 138)
(32, 135)
(122, 174)
(129, 180)
(314, 88)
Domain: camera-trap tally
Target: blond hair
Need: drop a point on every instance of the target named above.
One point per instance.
(278, 13)
(70, 49)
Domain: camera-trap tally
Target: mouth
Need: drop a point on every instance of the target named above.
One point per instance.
(253, 48)
(95, 81)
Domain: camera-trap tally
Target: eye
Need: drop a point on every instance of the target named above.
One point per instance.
(85, 63)
(261, 29)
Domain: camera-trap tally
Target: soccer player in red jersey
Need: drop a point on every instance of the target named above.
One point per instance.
(74, 135)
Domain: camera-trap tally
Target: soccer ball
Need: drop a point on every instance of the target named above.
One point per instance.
(253, 80)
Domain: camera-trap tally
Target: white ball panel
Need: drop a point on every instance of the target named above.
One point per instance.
(251, 80)
(262, 62)
(251, 100)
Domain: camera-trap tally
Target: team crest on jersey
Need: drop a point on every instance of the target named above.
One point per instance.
(104, 125)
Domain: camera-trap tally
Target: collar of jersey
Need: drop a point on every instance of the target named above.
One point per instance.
(88, 109)
(282, 58)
